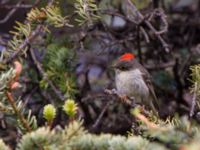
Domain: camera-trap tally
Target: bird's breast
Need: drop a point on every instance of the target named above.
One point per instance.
(131, 83)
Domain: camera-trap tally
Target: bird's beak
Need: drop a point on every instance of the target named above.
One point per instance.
(113, 66)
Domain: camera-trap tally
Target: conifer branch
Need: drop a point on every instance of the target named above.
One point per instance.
(17, 111)
(27, 41)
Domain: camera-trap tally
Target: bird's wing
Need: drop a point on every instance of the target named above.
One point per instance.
(147, 79)
(153, 102)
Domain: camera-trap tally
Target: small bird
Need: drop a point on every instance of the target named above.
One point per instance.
(133, 80)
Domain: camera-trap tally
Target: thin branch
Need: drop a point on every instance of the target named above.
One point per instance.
(141, 19)
(9, 15)
(17, 112)
(20, 6)
(28, 97)
(28, 40)
(127, 100)
(44, 75)
(139, 45)
(193, 100)
(146, 37)
(95, 125)
(164, 44)
(149, 25)
(116, 42)
(130, 101)
(160, 66)
(160, 13)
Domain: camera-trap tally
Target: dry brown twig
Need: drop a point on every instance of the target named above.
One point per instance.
(9, 15)
(95, 125)
(28, 40)
(14, 9)
(26, 6)
(194, 97)
(160, 13)
(39, 28)
(137, 15)
(44, 75)
(127, 100)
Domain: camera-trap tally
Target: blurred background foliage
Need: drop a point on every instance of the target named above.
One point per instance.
(71, 44)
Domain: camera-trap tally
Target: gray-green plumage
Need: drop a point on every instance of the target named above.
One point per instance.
(133, 80)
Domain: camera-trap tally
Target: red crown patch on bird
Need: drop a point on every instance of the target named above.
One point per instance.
(127, 57)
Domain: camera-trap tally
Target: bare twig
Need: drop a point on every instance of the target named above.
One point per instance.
(127, 100)
(160, 13)
(44, 75)
(193, 100)
(28, 40)
(28, 97)
(138, 18)
(164, 44)
(146, 37)
(160, 66)
(25, 43)
(9, 15)
(116, 42)
(20, 6)
(95, 125)
(139, 45)
(141, 18)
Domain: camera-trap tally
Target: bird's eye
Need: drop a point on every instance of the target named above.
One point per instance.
(122, 68)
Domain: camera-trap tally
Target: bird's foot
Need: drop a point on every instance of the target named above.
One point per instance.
(143, 110)
(125, 99)
(111, 92)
